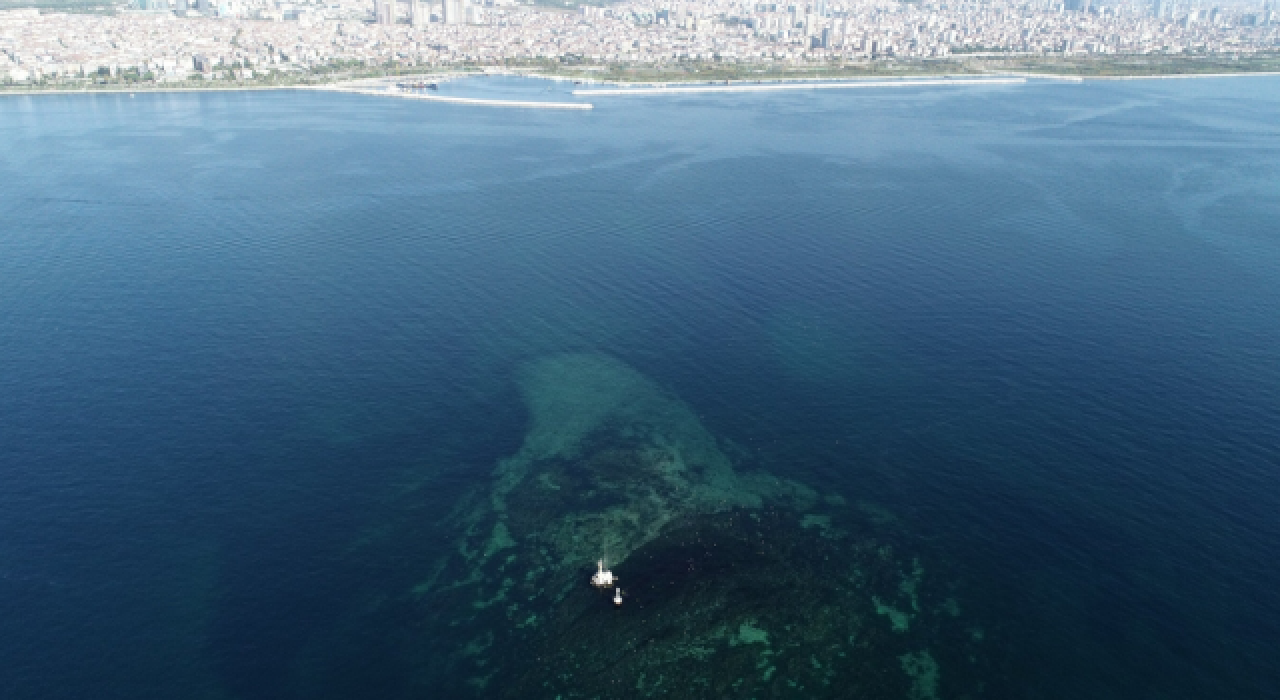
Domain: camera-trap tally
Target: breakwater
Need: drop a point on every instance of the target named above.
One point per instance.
(473, 101)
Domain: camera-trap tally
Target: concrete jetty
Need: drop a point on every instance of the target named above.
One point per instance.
(478, 102)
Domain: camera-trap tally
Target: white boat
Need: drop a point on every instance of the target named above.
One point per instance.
(602, 578)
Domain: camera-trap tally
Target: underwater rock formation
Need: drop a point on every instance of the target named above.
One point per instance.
(610, 460)
(737, 583)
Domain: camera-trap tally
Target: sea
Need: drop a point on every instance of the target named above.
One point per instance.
(257, 348)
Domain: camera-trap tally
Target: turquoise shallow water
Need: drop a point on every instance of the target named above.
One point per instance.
(255, 348)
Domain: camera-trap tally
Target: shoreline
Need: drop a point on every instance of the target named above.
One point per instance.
(811, 85)
(941, 77)
(1178, 76)
(648, 87)
(132, 91)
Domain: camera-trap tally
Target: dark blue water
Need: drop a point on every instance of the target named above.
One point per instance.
(242, 334)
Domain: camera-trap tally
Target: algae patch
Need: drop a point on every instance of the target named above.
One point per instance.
(822, 522)
(900, 621)
(499, 540)
(748, 633)
(921, 668)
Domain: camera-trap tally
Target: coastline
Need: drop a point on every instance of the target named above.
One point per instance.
(806, 85)
(135, 90)
(620, 88)
(1177, 76)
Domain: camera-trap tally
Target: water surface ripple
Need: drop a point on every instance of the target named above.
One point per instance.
(256, 347)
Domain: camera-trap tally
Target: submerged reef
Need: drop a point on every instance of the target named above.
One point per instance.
(736, 583)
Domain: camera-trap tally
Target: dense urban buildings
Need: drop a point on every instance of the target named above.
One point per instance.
(169, 40)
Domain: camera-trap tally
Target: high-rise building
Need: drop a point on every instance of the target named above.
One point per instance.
(454, 12)
(418, 14)
(384, 11)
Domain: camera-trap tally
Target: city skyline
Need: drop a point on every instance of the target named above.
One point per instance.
(255, 35)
